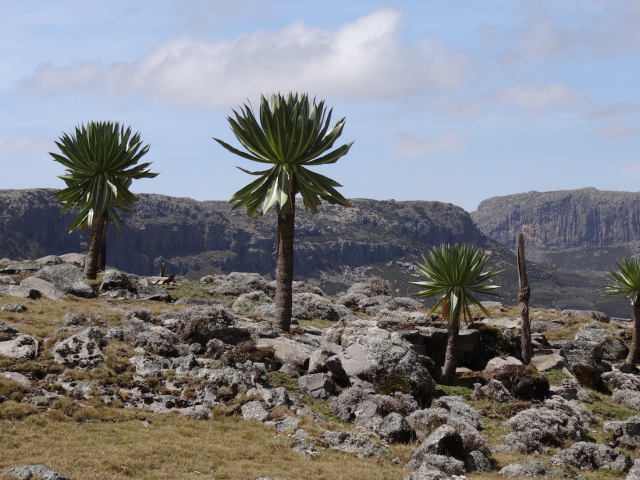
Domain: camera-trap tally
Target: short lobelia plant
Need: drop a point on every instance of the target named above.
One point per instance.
(101, 162)
(626, 283)
(455, 273)
(290, 134)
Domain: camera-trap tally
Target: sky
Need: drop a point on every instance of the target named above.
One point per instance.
(454, 101)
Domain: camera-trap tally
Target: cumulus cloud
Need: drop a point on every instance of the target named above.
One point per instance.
(617, 132)
(364, 59)
(537, 98)
(11, 144)
(412, 146)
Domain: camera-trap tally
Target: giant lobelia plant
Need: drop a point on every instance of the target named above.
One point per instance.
(290, 134)
(455, 273)
(101, 162)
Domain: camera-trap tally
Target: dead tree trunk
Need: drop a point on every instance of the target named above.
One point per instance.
(523, 303)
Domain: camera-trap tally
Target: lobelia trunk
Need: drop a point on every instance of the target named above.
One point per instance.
(524, 294)
(451, 354)
(102, 256)
(284, 271)
(95, 243)
(632, 358)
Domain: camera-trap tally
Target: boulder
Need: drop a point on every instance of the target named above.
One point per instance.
(49, 260)
(319, 357)
(43, 472)
(548, 362)
(7, 332)
(116, 280)
(82, 351)
(288, 351)
(316, 307)
(66, 279)
(592, 456)
(623, 381)
(535, 469)
(17, 377)
(21, 346)
(393, 428)
(498, 362)
(445, 440)
(628, 398)
(254, 410)
(6, 280)
(425, 421)
(237, 283)
(154, 338)
(200, 324)
(359, 441)
(613, 348)
(493, 390)
(317, 385)
(634, 473)
(585, 362)
(150, 366)
(153, 292)
(14, 308)
(476, 462)
(592, 314)
(246, 302)
(427, 472)
(625, 433)
(76, 259)
(566, 391)
(375, 362)
(20, 291)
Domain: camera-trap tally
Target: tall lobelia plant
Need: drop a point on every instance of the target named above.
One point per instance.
(626, 283)
(290, 134)
(455, 273)
(101, 161)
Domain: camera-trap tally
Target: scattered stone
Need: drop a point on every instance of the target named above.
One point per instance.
(254, 410)
(197, 412)
(13, 308)
(534, 469)
(359, 441)
(592, 456)
(592, 314)
(288, 423)
(494, 390)
(82, 351)
(76, 259)
(29, 472)
(22, 346)
(318, 385)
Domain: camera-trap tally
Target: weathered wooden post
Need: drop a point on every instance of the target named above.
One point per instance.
(162, 269)
(524, 294)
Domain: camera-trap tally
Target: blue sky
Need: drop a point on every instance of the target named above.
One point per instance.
(454, 101)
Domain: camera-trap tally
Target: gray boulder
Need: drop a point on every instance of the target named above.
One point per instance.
(613, 349)
(425, 421)
(625, 433)
(634, 473)
(153, 338)
(628, 398)
(200, 324)
(76, 259)
(585, 362)
(317, 385)
(155, 293)
(592, 456)
(237, 283)
(14, 308)
(246, 302)
(6, 280)
(592, 314)
(29, 472)
(21, 346)
(17, 377)
(20, 291)
(551, 361)
(82, 351)
(445, 440)
(534, 469)
(288, 351)
(151, 366)
(318, 358)
(49, 260)
(254, 410)
(377, 362)
(623, 381)
(316, 307)
(476, 462)
(116, 280)
(7, 332)
(393, 428)
(359, 441)
(66, 279)
(494, 390)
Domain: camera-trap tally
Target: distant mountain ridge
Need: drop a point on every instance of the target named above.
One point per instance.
(561, 220)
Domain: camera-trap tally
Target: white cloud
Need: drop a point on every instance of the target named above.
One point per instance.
(537, 98)
(617, 132)
(361, 60)
(11, 144)
(615, 110)
(412, 146)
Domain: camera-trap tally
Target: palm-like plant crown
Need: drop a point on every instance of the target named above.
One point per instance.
(456, 273)
(291, 133)
(100, 161)
(626, 281)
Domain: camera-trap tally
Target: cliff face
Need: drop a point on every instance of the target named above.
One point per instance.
(563, 219)
(196, 238)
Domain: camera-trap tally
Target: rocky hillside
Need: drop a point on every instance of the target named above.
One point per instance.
(563, 219)
(121, 386)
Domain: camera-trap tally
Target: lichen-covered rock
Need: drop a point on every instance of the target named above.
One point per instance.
(427, 472)
(613, 349)
(20, 291)
(200, 324)
(254, 410)
(319, 357)
(592, 456)
(628, 398)
(557, 418)
(82, 351)
(372, 287)
(13, 308)
(153, 338)
(116, 280)
(66, 279)
(634, 473)
(442, 463)
(456, 407)
(623, 381)
(237, 283)
(246, 302)
(445, 440)
(359, 441)
(358, 405)
(317, 385)
(535, 469)
(476, 462)
(585, 361)
(393, 428)
(494, 390)
(316, 307)
(626, 433)
(29, 472)
(20, 346)
(425, 421)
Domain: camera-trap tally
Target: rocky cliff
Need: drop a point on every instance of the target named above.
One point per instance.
(562, 219)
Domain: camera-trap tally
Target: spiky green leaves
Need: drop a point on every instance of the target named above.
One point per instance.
(290, 133)
(101, 162)
(626, 282)
(455, 273)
